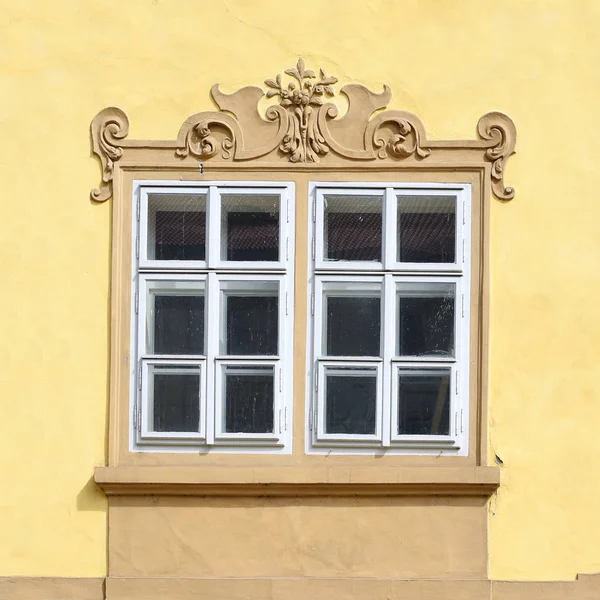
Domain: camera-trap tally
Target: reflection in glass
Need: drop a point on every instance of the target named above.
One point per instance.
(353, 326)
(175, 399)
(249, 397)
(352, 228)
(252, 324)
(424, 402)
(176, 227)
(426, 319)
(350, 401)
(178, 324)
(250, 227)
(427, 229)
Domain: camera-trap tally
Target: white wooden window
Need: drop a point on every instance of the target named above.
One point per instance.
(212, 316)
(388, 364)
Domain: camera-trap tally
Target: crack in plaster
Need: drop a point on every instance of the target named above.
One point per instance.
(280, 42)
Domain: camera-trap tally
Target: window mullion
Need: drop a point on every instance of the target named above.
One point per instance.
(213, 228)
(318, 351)
(388, 326)
(389, 229)
(461, 400)
(318, 240)
(142, 226)
(278, 396)
(213, 330)
(141, 398)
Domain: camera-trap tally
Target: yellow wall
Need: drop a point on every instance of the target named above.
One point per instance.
(450, 62)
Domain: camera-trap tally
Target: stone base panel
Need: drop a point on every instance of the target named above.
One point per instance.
(585, 587)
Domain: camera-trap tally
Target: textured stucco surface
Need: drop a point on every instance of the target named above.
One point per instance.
(400, 538)
(450, 62)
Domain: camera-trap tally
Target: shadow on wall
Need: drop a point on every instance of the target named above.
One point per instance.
(91, 498)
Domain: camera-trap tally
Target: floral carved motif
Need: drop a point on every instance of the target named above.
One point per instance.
(307, 123)
(303, 140)
(296, 120)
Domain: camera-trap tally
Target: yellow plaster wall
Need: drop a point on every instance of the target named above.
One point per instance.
(450, 62)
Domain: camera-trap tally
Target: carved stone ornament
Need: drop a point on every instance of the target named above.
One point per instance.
(303, 127)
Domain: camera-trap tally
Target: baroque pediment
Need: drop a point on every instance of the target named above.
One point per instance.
(296, 120)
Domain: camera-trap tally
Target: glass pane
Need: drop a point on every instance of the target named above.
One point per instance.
(175, 398)
(427, 229)
(178, 324)
(252, 324)
(353, 226)
(353, 326)
(350, 400)
(176, 227)
(426, 319)
(424, 402)
(249, 396)
(250, 227)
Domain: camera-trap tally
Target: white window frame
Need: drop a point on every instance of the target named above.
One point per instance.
(389, 273)
(214, 275)
(338, 439)
(143, 217)
(319, 238)
(284, 218)
(146, 434)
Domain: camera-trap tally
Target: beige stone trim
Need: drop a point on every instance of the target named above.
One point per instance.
(52, 588)
(295, 481)
(585, 587)
(119, 430)
(303, 127)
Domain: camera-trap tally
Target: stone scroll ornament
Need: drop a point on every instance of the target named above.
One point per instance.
(302, 125)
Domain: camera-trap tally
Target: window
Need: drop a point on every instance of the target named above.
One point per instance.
(389, 297)
(213, 317)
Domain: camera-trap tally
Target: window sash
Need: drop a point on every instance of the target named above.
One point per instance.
(337, 439)
(390, 274)
(145, 416)
(213, 236)
(342, 286)
(211, 278)
(389, 241)
(217, 241)
(221, 436)
(389, 362)
(214, 287)
(144, 262)
(432, 440)
(159, 281)
(321, 262)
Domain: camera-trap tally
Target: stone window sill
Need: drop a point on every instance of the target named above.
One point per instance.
(298, 481)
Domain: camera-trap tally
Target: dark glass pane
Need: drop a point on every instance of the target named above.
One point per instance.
(424, 404)
(178, 324)
(250, 228)
(252, 236)
(179, 235)
(252, 325)
(427, 229)
(249, 402)
(353, 326)
(353, 227)
(176, 227)
(350, 404)
(426, 325)
(176, 402)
